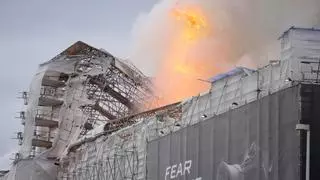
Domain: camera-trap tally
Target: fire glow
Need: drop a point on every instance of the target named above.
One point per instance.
(182, 66)
(193, 20)
(180, 41)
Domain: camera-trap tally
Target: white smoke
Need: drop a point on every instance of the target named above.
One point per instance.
(241, 30)
(151, 32)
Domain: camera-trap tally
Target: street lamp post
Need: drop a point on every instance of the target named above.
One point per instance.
(318, 71)
(306, 127)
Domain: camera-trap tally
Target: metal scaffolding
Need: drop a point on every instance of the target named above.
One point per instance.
(118, 155)
(81, 88)
(122, 165)
(119, 91)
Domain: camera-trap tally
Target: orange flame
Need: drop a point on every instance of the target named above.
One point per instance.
(194, 21)
(184, 64)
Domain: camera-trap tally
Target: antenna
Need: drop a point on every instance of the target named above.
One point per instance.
(206, 81)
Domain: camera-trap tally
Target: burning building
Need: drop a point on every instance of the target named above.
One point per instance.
(79, 90)
(88, 117)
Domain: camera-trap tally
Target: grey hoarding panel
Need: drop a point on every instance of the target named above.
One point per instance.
(255, 142)
(310, 114)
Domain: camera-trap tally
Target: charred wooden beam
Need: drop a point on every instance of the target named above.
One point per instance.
(113, 93)
(52, 82)
(103, 112)
(41, 143)
(43, 122)
(49, 101)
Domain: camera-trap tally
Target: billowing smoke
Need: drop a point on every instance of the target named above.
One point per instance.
(239, 32)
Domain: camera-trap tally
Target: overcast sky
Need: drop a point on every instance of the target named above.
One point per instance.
(34, 31)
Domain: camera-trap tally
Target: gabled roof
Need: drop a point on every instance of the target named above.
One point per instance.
(80, 48)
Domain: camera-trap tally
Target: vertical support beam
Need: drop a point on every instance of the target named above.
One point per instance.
(306, 127)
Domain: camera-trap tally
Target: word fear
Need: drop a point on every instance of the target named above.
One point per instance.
(177, 170)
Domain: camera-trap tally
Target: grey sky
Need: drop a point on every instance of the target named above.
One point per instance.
(34, 31)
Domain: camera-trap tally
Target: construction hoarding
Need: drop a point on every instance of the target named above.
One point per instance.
(257, 141)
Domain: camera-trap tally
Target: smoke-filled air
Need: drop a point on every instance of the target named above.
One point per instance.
(180, 42)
